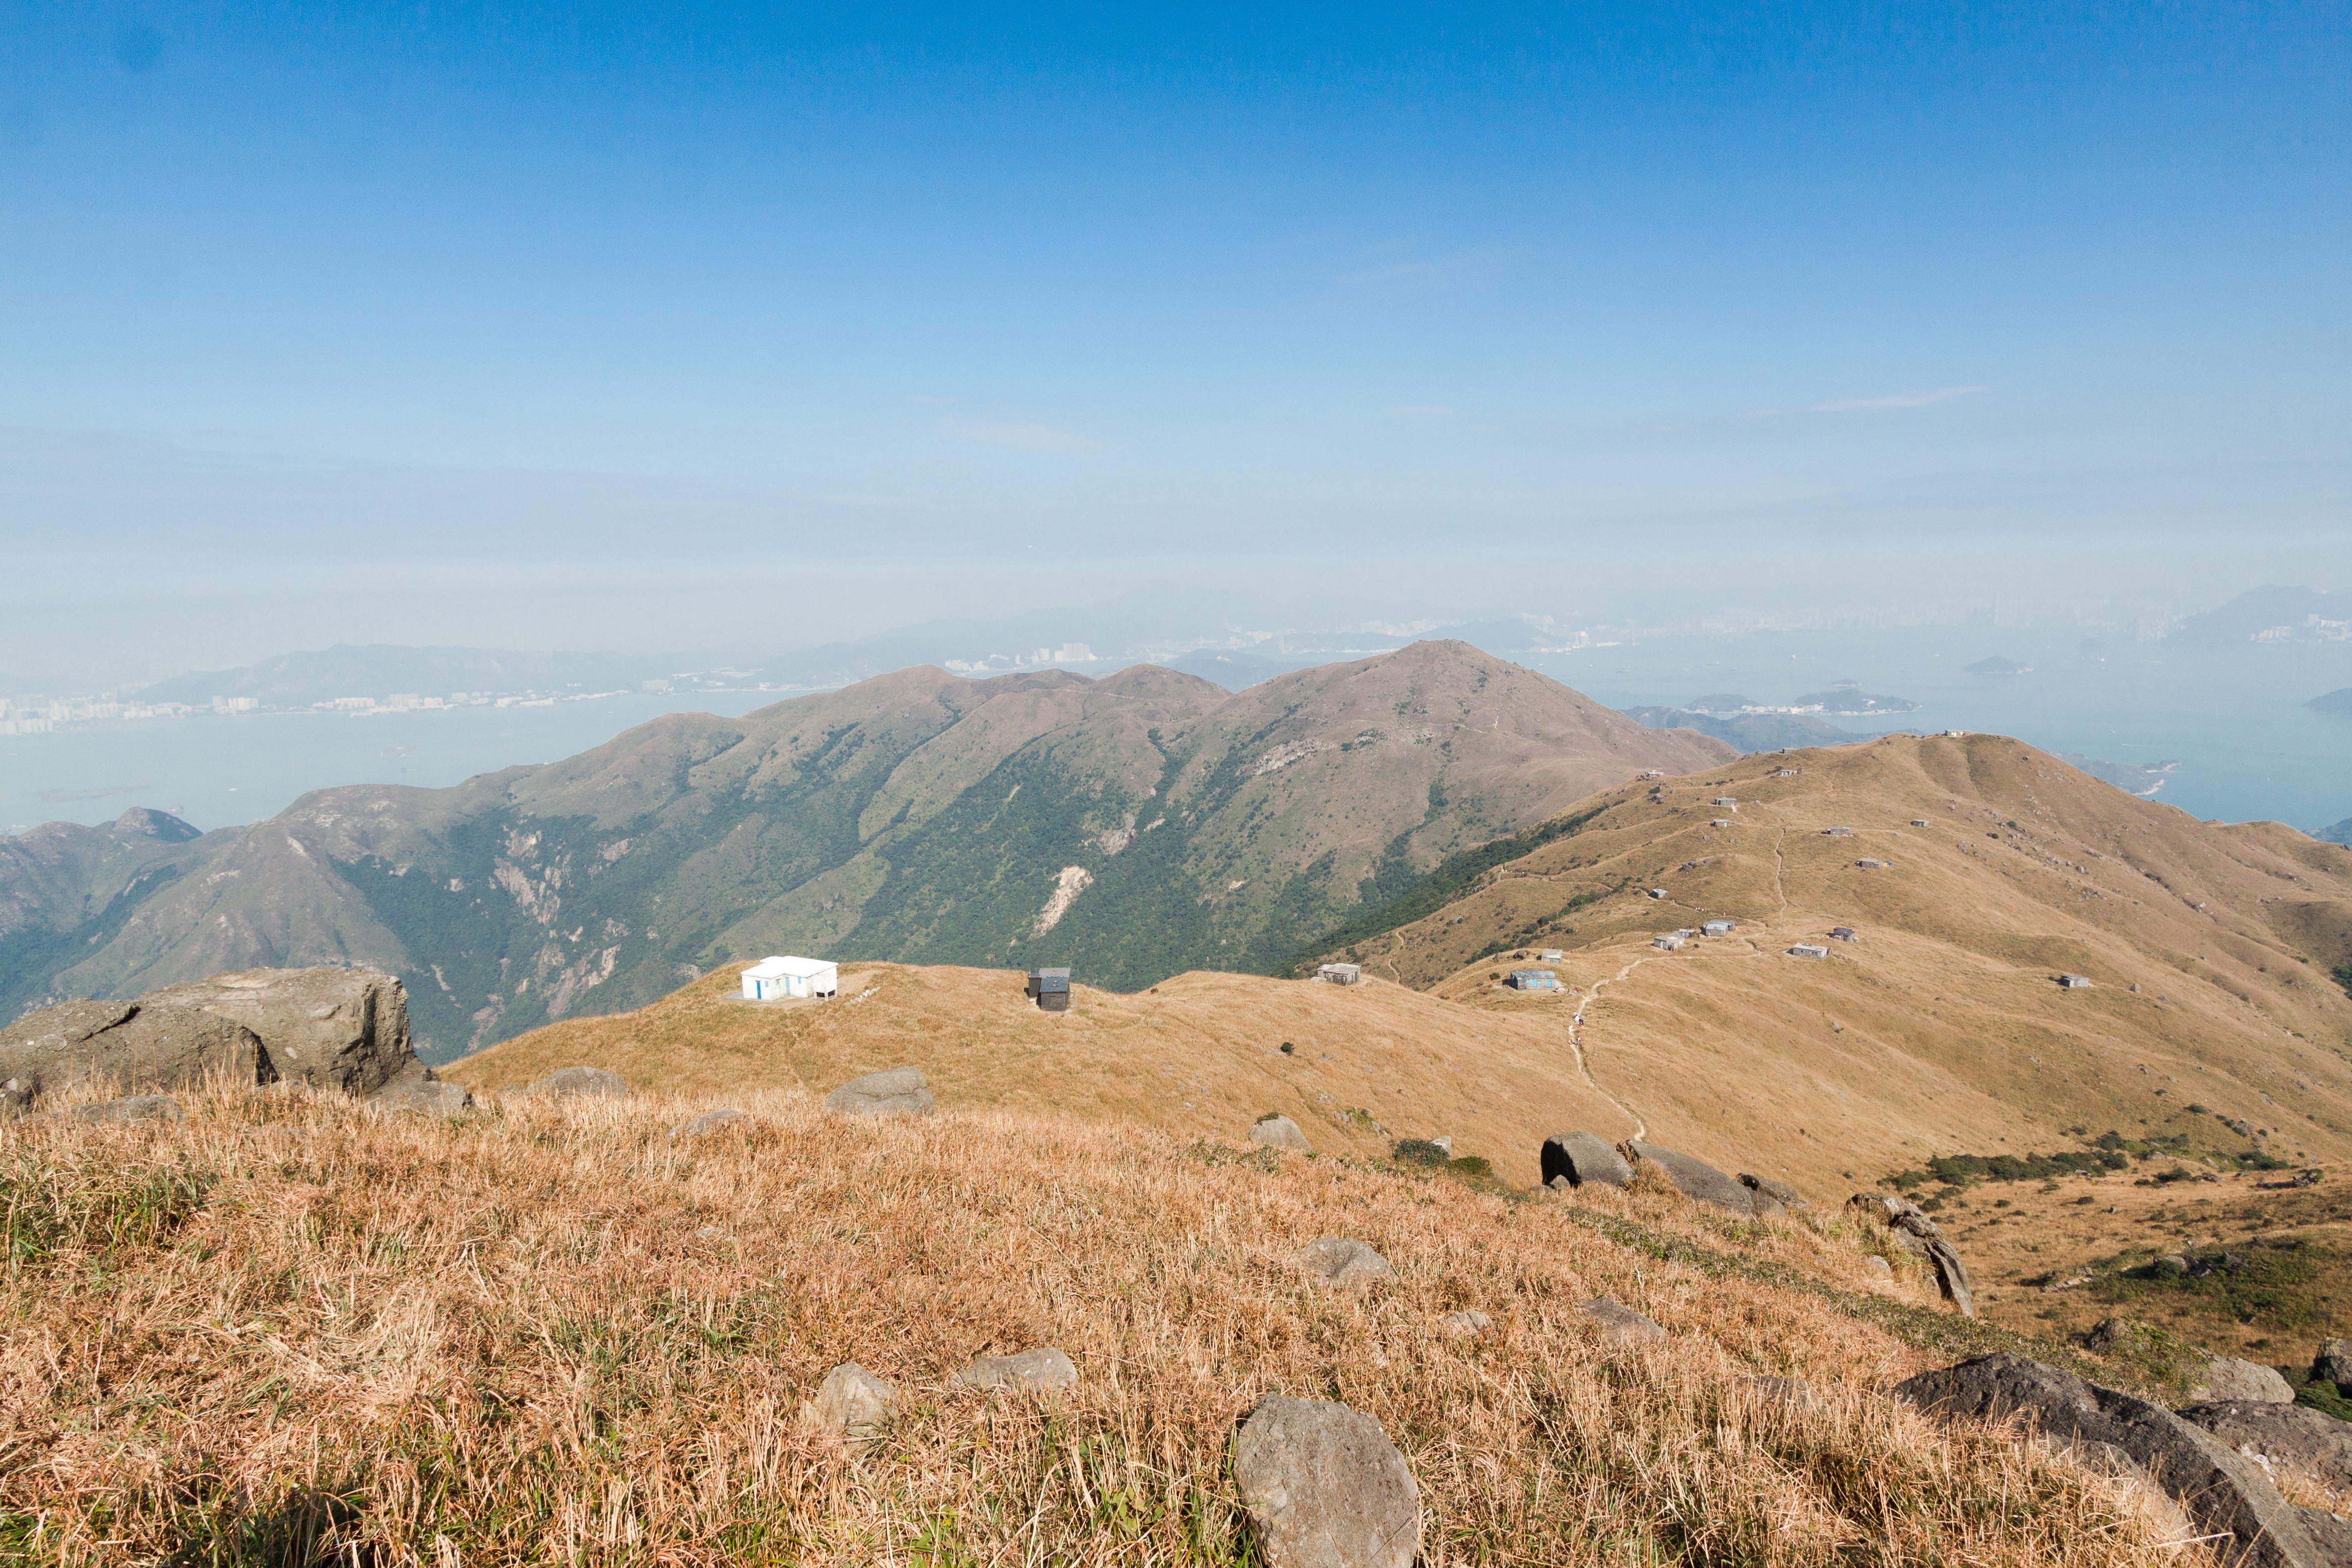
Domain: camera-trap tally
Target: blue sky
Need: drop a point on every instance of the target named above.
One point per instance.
(443, 284)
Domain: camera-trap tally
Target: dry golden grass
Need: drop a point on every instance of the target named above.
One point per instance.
(291, 1330)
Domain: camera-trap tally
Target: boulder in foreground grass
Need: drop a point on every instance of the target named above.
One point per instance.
(131, 1107)
(708, 1123)
(128, 1045)
(854, 1406)
(1346, 1263)
(329, 1028)
(1042, 1370)
(1581, 1157)
(582, 1083)
(1771, 1196)
(2222, 1491)
(894, 1092)
(1279, 1132)
(1620, 1325)
(1325, 1487)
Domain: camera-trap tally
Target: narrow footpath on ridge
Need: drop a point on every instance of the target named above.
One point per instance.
(1584, 1064)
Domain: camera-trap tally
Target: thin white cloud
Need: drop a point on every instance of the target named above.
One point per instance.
(1015, 435)
(1895, 400)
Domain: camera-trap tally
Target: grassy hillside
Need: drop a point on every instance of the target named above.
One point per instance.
(290, 1331)
(1135, 827)
(1197, 1056)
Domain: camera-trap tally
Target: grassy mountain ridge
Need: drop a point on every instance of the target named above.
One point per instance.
(916, 816)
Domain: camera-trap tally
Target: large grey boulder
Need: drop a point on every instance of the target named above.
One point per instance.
(1694, 1178)
(1581, 1157)
(1620, 1325)
(132, 1108)
(1279, 1132)
(894, 1092)
(1325, 1487)
(2222, 1491)
(581, 1083)
(2226, 1378)
(331, 1028)
(1039, 1370)
(2334, 1362)
(1339, 1261)
(2295, 1436)
(135, 1046)
(853, 1406)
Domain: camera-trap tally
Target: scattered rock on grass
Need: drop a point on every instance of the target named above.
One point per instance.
(1042, 1369)
(1619, 1324)
(1278, 1133)
(853, 1405)
(1470, 1325)
(707, 1123)
(894, 1092)
(420, 1090)
(1325, 1487)
(1577, 1158)
(2226, 1377)
(132, 1108)
(2334, 1362)
(1877, 1267)
(582, 1083)
(2220, 1489)
(1349, 1265)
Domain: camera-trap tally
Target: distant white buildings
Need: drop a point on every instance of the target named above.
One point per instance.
(1340, 973)
(1809, 950)
(779, 979)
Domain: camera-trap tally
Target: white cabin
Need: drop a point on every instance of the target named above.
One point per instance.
(774, 979)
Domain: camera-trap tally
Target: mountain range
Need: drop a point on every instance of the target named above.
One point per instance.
(1135, 827)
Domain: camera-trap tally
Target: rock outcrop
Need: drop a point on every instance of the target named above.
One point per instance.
(894, 1092)
(132, 1108)
(1581, 1157)
(1694, 1178)
(2223, 1492)
(1771, 1196)
(1916, 1233)
(1278, 1133)
(331, 1028)
(339, 1029)
(2295, 1436)
(1325, 1487)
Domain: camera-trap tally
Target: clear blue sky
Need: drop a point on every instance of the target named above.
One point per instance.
(434, 281)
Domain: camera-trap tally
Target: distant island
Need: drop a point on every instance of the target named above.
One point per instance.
(2339, 834)
(2133, 778)
(1841, 699)
(1999, 667)
(2338, 702)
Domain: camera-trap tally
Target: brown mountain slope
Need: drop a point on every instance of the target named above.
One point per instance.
(1941, 1029)
(916, 816)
